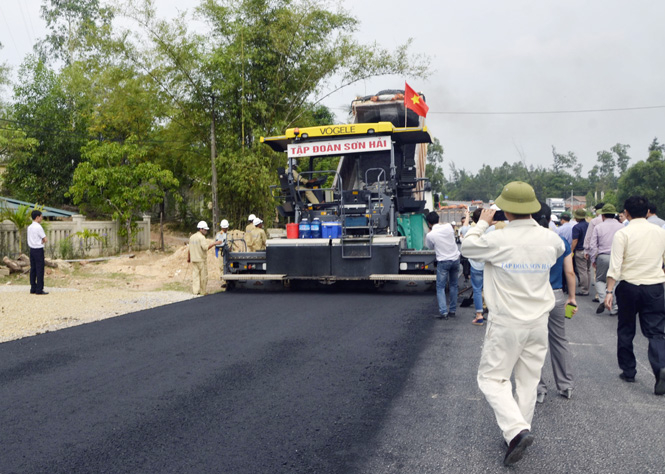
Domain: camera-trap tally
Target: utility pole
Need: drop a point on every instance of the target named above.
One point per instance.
(213, 155)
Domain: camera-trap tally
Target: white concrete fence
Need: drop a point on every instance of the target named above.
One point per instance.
(57, 231)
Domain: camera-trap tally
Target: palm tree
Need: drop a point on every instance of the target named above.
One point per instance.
(20, 217)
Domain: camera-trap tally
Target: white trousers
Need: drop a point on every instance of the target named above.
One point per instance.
(507, 350)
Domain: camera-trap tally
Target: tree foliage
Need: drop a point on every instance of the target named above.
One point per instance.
(117, 179)
(645, 178)
(47, 114)
(434, 166)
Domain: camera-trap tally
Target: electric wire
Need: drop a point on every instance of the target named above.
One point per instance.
(537, 112)
(9, 31)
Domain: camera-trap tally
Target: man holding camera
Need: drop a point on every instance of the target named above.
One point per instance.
(519, 299)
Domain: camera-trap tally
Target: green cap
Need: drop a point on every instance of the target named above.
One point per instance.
(580, 213)
(565, 215)
(518, 198)
(608, 209)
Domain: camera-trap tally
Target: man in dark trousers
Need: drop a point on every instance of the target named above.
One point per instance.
(636, 262)
(36, 241)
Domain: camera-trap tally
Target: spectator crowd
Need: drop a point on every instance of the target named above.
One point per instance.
(526, 274)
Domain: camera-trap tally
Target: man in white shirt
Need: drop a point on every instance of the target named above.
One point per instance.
(653, 217)
(519, 298)
(636, 262)
(565, 229)
(441, 238)
(36, 241)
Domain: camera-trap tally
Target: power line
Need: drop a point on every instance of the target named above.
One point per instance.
(25, 24)
(548, 112)
(536, 112)
(9, 31)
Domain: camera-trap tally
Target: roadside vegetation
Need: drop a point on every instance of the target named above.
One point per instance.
(119, 112)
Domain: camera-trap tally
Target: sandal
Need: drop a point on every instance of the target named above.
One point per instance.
(478, 321)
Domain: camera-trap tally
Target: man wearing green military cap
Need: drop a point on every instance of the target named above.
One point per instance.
(581, 262)
(519, 299)
(600, 246)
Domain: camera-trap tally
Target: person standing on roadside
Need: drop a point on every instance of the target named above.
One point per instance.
(519, 299)
(441, 238)
(250, 227)
(197, 254)
(636, 262)
(219, 248)
(558, 342)
(36, 240)
(477, 269)
(580, 260)
(256, 238)
(587, 239)
(565, 229)
(652, 215)
(600, 246)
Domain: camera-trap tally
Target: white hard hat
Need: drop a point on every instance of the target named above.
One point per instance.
(453, 223)
(554, 218)
(257, 221)
(251, 218)
(495, 207)
(202, 225)
(224, 224)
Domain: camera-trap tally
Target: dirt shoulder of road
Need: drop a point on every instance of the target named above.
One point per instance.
(84, 292)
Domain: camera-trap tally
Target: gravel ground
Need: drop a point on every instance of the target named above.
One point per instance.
(23, 314)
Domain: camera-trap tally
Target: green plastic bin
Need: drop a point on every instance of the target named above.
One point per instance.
(414, 228)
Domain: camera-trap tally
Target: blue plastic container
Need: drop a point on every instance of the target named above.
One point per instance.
(327, 230)
(305, 229)
(336, 230)
(315, 228)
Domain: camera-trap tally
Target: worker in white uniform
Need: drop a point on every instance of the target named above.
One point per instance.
(519, 298)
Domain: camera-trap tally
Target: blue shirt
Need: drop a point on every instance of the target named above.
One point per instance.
(566, 231)
(579, 232)
(556, 272)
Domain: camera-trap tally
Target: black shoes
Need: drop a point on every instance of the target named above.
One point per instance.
(659, 388)
(517, 446)
(600, 308)
(625, 378)
(451, 315)
(442, 316)
(41, 293)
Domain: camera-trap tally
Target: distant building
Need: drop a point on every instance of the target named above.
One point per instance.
(578, 202)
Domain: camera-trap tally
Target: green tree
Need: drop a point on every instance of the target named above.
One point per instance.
(20, 217)
(255, 73)
(74, 27)
(118, 180)
(434, 166)
(45, 113)
(622, 158)
(645, 178)
(567, 163)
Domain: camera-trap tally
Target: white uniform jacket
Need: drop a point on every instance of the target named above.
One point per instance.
(517, 260)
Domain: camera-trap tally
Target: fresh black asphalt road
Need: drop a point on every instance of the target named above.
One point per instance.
(309, 382)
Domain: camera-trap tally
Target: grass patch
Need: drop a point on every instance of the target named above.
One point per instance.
(176, 286)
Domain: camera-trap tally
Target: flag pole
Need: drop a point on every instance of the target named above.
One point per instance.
(405, 109)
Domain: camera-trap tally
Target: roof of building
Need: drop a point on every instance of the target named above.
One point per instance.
(12, 203)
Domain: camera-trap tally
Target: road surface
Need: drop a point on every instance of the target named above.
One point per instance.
(307, 383)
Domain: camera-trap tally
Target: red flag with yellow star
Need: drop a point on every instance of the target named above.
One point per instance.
(414, 102)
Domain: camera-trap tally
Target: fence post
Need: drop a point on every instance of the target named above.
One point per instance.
(146, 231)
(78, 220)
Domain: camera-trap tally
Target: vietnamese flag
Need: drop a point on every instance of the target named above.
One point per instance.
(414, 102)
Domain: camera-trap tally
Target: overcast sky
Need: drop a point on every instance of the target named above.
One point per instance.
(493, 57)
